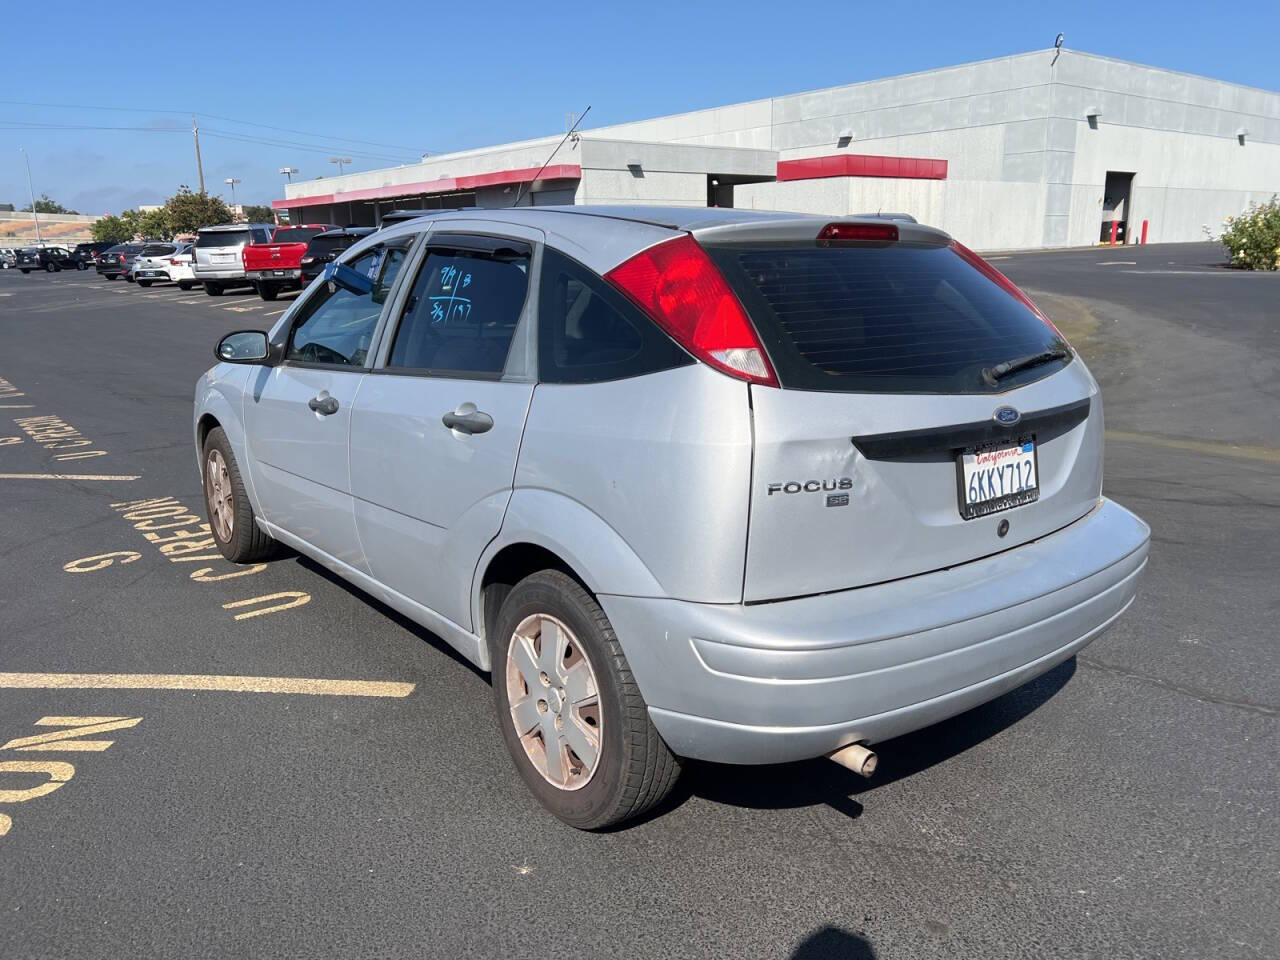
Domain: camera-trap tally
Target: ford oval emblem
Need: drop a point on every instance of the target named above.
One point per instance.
(1006, 416)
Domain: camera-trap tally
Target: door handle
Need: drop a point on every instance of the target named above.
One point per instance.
(323, 404)
(467, 419)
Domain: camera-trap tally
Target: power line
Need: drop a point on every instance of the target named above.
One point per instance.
(213, 116)
(294, 145)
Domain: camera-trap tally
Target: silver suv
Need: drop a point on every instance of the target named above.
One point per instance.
(216, 260)
(691, 483)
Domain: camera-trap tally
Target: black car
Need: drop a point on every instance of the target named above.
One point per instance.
(87, 254)
(49, 259)
(324, 247)
(116, 261)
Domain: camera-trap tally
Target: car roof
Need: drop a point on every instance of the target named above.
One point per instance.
(222, 227)
(592, 234)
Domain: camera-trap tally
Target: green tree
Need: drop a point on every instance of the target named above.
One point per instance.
(259, 213)
(111, 229)
(154, 225)
(187, 212)
(45, 205)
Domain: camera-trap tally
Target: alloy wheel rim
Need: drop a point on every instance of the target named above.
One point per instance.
(217, 486)
(554, 701)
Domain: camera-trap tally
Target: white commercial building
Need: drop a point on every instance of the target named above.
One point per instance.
(1041, 149)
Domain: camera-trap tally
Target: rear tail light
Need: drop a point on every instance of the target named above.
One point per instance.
(175, 263)
(879, 232)
(677, 285)
(1003, 282)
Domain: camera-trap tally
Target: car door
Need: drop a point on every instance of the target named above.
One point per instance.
(297, 414)
(436, 429)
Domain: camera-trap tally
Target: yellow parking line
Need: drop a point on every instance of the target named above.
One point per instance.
(65, 476)
(193, 681)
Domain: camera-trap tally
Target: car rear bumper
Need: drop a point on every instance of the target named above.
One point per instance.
(280, 276)
(218, 273)
(773, 682)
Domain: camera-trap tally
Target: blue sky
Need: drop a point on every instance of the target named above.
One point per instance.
(440, 78)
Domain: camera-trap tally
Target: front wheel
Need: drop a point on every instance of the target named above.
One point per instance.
(570, 712)
(82, 265)
(231, 519)
(49, 268)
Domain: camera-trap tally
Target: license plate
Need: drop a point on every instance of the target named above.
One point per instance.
(278, 273)
(997, 477)
(223, 257)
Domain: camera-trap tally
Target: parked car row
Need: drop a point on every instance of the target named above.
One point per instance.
(268, 258)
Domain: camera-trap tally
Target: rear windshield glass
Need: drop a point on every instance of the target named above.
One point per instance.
(894, 318)
(329, 243)
(294, 235)
(221, 238)
(158, 249)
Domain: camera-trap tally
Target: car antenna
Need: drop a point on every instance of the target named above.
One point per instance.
(567, 135)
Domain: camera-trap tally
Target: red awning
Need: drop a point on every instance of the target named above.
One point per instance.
(862, 165)
(560, 171)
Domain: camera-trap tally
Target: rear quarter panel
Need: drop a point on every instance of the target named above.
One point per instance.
(663, 461)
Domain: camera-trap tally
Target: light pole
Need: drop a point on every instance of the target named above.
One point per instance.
(231, 182)
(31, 190)
(339, 161)
(289, 172)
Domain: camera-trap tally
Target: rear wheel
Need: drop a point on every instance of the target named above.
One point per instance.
(213, 289)
(144, 283)
(231, 517)
(268, 291)
(49, 268)
(81, 265)
(570, 712)
(26, 271)
(184, 285)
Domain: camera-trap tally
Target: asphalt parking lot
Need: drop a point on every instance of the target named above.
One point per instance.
(356, 800)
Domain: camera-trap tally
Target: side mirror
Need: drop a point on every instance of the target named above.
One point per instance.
(340, 275)
(244, 346)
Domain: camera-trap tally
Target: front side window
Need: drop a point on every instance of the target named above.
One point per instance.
(336, 326)
(462, 312)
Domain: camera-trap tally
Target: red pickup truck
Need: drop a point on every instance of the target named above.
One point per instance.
(276, 266)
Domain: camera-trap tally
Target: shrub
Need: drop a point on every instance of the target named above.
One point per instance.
(1253, 238)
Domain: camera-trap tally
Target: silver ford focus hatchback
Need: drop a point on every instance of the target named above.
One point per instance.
(697, 483)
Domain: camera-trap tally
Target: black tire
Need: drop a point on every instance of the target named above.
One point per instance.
(144, 283)
(635, 769)
(81, 265)
(184, 286)
(128, 277)
(25, 272)
(246, 542)
(268, 291)
(50, 268)
(212, 289)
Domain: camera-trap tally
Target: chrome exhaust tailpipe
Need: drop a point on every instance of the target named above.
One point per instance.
(855, 757)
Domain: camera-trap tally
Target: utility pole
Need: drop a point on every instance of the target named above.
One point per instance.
(31, 190)
(195, 132)
(340, 161)
(289, 172)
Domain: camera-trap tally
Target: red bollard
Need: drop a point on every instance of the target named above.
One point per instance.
(1144, 233)
(1114, 224)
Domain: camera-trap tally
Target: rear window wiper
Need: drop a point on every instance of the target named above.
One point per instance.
(992, 375)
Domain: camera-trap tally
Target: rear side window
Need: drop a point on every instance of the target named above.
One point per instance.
(892, 318)
(294, 235)
(221, 238)
(588, 332)
(462, 313)
(325, 244)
